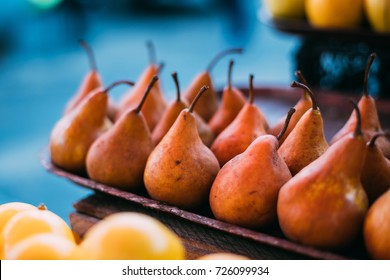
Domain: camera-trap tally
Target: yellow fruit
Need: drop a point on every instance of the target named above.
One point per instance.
(337, 14)
(28, 223)
(286, 8)
(131, 236)
(7, 211)
(378, 14)
(43, 246)
(223, 256)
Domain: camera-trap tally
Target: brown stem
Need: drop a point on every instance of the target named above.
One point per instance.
(300, 76)
(358, 128)
(200, 93)
(221, 55)
(90, 54)
(120, 82)
(176, 80)
(295, 84)
(368, 67)
(288, 118)
(231, 63)
(148, 89)
(151, 52)
(251, 93)
(371, 143)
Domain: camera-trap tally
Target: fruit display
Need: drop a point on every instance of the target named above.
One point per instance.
(334, 14)
(253, 175)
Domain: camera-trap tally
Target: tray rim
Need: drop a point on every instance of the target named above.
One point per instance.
(257, 236)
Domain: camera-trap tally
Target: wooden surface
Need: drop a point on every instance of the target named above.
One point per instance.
(198, 239)
(200, 232)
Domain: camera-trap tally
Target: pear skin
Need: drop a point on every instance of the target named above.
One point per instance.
(376, 171)
(208, 104)
(306, 142)
(303, 104)
(181, 169)
(324, 204)
(75, 132)
(377, 227)
(245, 128)
(370, 119)
(232, 102)
(154, 106)
(172, 112)
(118, 157)
(245, 191)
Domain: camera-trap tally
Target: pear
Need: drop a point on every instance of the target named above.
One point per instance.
(90, 82)
(324, 204)
(172, 112)
(75, 132)
(232, 102)
(377, 227)
(303, 104)
(245, 191)
(376, 170)
(118, 157)
(208, 105)
(156, 104)
(181, 169)
(306, 142)
(370, 119)
(239, 134)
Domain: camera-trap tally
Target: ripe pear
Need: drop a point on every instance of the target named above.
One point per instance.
(301, 107)
(376, 170)
(181, 169)
(324, 204)
(246, 127)
(75, 132)
(232, 102)
(370, 119)
(246, 188)
(306, 142)
(172, 112)
(208, 105)
(377, 227)
(155, 105)
(90, 82)
(118, 157)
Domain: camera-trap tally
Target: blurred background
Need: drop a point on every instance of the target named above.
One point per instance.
(42, 65)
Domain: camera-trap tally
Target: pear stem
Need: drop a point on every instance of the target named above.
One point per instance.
(200, 93)
(368, 67)
(176, 80)
(231, 63)
(358, 128)
(151, 52)
(221, 55)
(120, 82)
(296, 84)
(371, 144)
(300, 76)
(148, 89)
(251, 94)
(288, 118)
(90, 54)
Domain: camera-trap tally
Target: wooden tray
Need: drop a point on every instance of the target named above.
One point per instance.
(200, 231)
